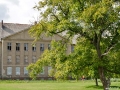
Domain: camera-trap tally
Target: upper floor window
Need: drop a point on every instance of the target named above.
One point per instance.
(33, 59)
(26, 46)
(48, 46)
(17, 46)
(9, 59)
(26, 59)
(9, 70)
(34, 48)
(41, 47)
(17, 59)
(9, 46)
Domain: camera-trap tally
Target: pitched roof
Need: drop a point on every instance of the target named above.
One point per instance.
(7, 29)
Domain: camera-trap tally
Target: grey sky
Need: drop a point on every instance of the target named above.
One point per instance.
(18, 11)
(4, 12)
(16, 2)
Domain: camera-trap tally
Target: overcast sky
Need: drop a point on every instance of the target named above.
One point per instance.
(18, 11)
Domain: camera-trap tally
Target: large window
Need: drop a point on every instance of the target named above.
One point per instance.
(33, 59)
(25, 71)
(9, 59)
(41, 47)
(34, 48)
(26, 46)
(9, 70)
(9, 46)
(17, 70)
(17, 46)
(17, 59)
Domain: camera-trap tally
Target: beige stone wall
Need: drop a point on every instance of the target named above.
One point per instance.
(24, 37)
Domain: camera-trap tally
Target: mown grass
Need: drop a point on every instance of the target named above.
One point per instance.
(52, 85)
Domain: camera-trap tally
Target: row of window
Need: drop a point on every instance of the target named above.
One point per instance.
(9, 47)
(18, 69)
(9, 59)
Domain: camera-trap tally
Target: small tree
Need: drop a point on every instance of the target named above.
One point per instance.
(95, 23)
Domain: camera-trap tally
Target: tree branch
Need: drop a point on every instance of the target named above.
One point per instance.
(113, 71)
(81, 33)
(65, 12)
(108, 49)
(112, 44)
(55, 17)
(56, 32)
(61, 8)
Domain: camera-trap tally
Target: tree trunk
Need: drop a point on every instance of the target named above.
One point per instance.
(96, 81)
(103, 79)
(101, 70)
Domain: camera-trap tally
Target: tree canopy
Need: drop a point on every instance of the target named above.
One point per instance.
(95, 23)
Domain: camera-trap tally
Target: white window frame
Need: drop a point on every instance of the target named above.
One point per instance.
(17, 46)
(9, 70)
(9, 47)
(34, 47)
(17, 70)
(41, 47)
(25, 71)
(25, 46)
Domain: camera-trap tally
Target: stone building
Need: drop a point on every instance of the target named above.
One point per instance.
(17, 51)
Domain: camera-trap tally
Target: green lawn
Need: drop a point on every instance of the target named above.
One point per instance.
(53, 85)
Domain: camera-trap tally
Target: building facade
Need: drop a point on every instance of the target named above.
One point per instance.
(17, 50)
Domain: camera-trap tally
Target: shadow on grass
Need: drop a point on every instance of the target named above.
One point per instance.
(115, 87)
(95, 87)
(100, 87)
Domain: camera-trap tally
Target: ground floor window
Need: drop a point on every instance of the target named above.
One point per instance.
(9, 70)
(17, 70)
(43, 70)
(49, 70)
(25, 71)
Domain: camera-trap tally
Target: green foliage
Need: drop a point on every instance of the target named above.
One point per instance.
(96, 23)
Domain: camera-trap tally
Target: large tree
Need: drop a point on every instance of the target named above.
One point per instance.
(96, 26)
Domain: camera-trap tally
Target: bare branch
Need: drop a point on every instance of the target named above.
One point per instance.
(108, 49)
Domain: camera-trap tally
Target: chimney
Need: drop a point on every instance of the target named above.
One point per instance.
(2, 24)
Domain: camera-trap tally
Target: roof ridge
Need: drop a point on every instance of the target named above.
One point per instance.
(16, 23)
